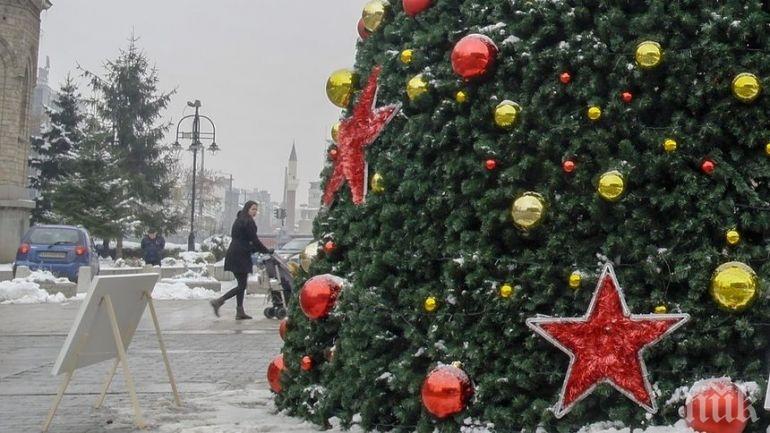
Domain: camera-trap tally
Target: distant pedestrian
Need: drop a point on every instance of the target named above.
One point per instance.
(238, 259)
(152, 247)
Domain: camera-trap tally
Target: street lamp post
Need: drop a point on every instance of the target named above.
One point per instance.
(196, 145)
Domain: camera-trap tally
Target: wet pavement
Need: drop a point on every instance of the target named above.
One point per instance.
(207, 354)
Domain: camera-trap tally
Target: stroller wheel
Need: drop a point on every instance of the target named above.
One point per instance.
(269, 312)
(280, 313)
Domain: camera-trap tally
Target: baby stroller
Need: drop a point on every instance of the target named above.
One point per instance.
(277, 270)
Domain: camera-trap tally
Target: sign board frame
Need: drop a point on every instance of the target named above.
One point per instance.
(103, 330)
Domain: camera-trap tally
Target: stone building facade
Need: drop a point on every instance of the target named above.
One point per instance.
(19, 38)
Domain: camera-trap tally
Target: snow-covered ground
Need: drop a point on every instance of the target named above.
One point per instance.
(248, 410)
(252, 410)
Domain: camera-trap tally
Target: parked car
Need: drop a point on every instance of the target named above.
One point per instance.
(60, 249)
(287, 250)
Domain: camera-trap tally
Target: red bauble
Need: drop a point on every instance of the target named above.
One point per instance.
(283, 327)
(627, 97)
(333, 152)
(446, 391)
(414, 7)
(306, 364)
(606, 345)
(329, 247)
(362, 32)
(565, 78)
(473, 56)
(318, 295)
(708, 166)
(274, 372)
(568, 166)
(490, 164)
(718, 406)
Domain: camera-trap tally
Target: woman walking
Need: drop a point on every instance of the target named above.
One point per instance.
(238, 259)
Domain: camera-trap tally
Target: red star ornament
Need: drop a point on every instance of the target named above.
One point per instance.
(606, 345)
(355, 133)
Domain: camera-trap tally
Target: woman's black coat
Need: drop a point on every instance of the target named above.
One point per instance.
(245, 242)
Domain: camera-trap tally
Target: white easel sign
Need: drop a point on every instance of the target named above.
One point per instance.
(103, 330)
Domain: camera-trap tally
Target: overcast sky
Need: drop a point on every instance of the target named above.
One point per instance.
(258, 66)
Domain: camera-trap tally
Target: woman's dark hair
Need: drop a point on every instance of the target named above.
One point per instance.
(244, 213)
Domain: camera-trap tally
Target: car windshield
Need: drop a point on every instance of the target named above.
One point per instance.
(53, 236)
(296, 244)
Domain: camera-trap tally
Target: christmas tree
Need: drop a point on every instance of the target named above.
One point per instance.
(49, 151)
(516, 152)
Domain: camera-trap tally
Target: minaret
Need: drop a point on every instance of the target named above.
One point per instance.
(19, 39)
(292, 183)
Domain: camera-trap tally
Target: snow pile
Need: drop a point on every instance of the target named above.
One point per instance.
(189, 259)
(41, 276)
(27, 291)
(108, 262)
(195, 257)
(192, 276)
(176, 290)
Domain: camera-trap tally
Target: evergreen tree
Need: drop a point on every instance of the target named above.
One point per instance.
(129, 100)
(48, 152)
(689, 146)
(93, 193)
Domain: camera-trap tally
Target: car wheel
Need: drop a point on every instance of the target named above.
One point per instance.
(269, 312)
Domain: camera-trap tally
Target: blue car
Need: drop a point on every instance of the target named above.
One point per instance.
(60, 249)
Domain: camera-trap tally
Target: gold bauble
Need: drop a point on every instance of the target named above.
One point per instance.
(734, 286)
(374, 14)
(746, 87)
(649, 54)
(339, 87)
(308, 255)
(507, 114)
(528, 210)
(612, 185)
(767, 149)
(293, 268)
(430, 304)
(733, 237)
(661, 309)
(506, 290)
(416, 87)
(594, 113)
(406, 56)
(461, 97)
(575, 279)
(377, 183)
(336, 132)
(670, 145)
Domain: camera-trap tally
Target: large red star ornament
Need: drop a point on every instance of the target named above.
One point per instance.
(605, 345)
(355, 133)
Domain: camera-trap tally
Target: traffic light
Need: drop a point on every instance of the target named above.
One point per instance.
(276, 213)
(283, 213)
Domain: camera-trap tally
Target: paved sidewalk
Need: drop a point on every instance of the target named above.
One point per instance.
(207, 355)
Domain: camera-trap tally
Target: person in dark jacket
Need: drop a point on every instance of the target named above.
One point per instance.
(238, 259)
(152, 247)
